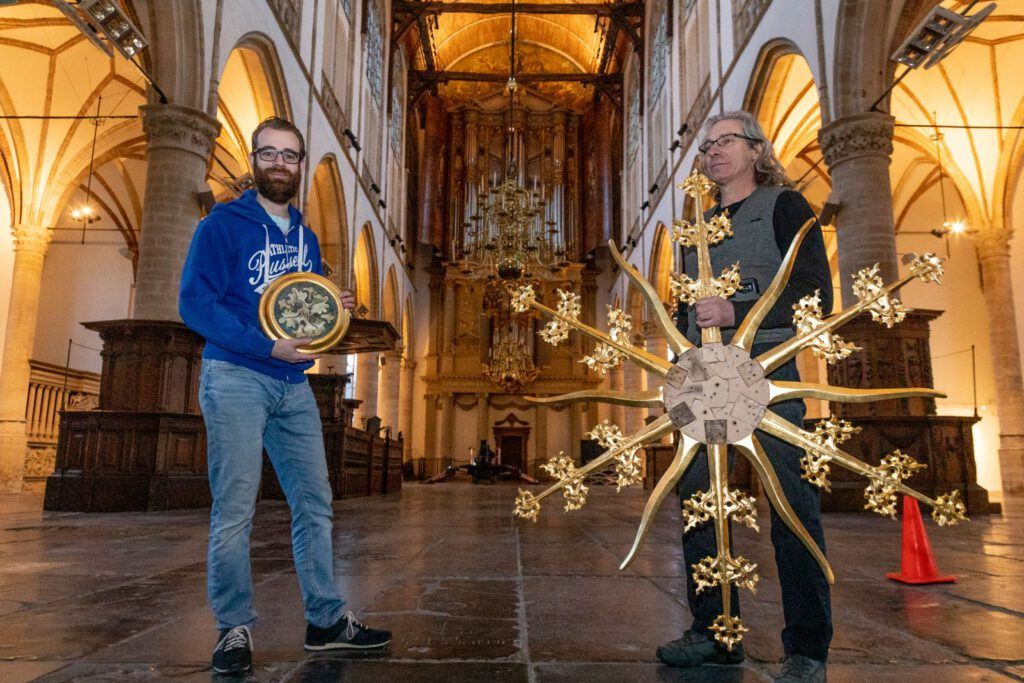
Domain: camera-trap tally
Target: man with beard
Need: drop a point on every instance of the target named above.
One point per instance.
(254, 395)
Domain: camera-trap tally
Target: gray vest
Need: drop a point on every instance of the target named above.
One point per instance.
(753, 245)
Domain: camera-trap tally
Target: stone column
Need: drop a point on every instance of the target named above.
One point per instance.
(367, 381)
(858, 150)
(615, 383)
(483, 418)
(447, 419)
(180, 140)
(632, 383)
(430, 450)
(30, 244)
(390, 380)
(575, 430)
(657, 345)
(541, 452)
(405, 393)
(448, 319)
(994, 257)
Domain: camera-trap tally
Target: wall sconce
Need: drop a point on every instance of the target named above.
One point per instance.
(352, 139)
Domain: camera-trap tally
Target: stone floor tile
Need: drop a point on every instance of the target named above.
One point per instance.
(644, 673)
(471, 594)
(328, 670)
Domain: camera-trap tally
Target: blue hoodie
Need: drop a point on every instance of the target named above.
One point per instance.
(236, 252)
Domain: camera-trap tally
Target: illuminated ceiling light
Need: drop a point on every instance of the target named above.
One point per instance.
(85, 213)
(937, 35)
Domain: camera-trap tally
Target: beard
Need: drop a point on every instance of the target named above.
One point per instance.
(277, 189)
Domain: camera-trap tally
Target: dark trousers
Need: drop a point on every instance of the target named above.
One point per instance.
(806, 603)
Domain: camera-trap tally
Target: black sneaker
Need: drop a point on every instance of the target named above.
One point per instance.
(696, 649)
(233, 654)
(345, 634)
(801, 669)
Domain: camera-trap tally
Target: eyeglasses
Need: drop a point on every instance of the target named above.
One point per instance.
(270, 154)
(723, 141)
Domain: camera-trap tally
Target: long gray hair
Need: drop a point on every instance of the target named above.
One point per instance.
(767, 168)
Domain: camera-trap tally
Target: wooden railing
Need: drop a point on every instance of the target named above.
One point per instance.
(52, 388)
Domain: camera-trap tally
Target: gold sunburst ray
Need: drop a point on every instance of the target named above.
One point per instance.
(686, 451)
(523, 298)
(772, 359)
(646, 399)
(785, 391)
(657, 429)
(675, 339)
(733, 389)
(751, 448)
(943, 512)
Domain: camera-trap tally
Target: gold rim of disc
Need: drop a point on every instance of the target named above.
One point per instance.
(273, 329)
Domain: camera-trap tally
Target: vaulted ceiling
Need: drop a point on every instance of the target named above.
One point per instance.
(564, 50)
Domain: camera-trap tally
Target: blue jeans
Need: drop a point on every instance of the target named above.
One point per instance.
(246, 411)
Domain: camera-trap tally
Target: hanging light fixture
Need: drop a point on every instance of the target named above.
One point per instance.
(948, 227)
(85, 213)
(511, 233)
(510, 366)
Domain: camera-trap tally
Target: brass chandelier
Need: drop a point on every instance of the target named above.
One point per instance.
(511, 366)
(511, 231)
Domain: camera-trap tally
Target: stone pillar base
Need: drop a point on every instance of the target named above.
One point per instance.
(13, 443)
(1011, 462)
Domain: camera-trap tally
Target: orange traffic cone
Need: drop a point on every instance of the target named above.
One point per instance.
(918, 564)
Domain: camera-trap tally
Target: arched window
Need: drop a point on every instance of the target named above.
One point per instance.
(657, 95)
(632, 179)
(336, 81)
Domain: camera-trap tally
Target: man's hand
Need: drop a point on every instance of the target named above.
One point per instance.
(714, 311)
(288, 350)
(348, 299)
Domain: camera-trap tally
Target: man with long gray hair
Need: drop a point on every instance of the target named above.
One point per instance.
(765, 215)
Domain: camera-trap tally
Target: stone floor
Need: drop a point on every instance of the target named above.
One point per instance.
(473, 596)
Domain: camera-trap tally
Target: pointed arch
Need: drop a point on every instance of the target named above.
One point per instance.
(408, 329)
(662, 262)
(327, 214)
(176, 55)
(366, 278)
(390, 311)
(251, 88)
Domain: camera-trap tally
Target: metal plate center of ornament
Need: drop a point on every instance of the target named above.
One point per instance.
(716, 394)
